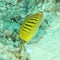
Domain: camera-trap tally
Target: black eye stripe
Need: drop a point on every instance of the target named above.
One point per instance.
(36, 17)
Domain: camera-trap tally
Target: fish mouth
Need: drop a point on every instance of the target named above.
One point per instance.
(40, 14)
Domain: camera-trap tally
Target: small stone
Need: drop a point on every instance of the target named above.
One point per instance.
(8, 32)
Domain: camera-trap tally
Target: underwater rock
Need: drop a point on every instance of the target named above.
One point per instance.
(1, 25)
(8, 33)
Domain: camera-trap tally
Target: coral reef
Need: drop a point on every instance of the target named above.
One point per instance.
(12, 14)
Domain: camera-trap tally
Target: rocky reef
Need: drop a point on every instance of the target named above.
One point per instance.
(12, 14)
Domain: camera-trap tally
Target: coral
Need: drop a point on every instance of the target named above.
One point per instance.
(12, 14)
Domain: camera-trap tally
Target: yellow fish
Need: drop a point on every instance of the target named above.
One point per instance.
(30, 26)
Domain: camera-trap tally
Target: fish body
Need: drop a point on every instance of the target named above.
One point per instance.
(30, 26)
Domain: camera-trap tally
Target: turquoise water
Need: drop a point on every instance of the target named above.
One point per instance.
(45, 45)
